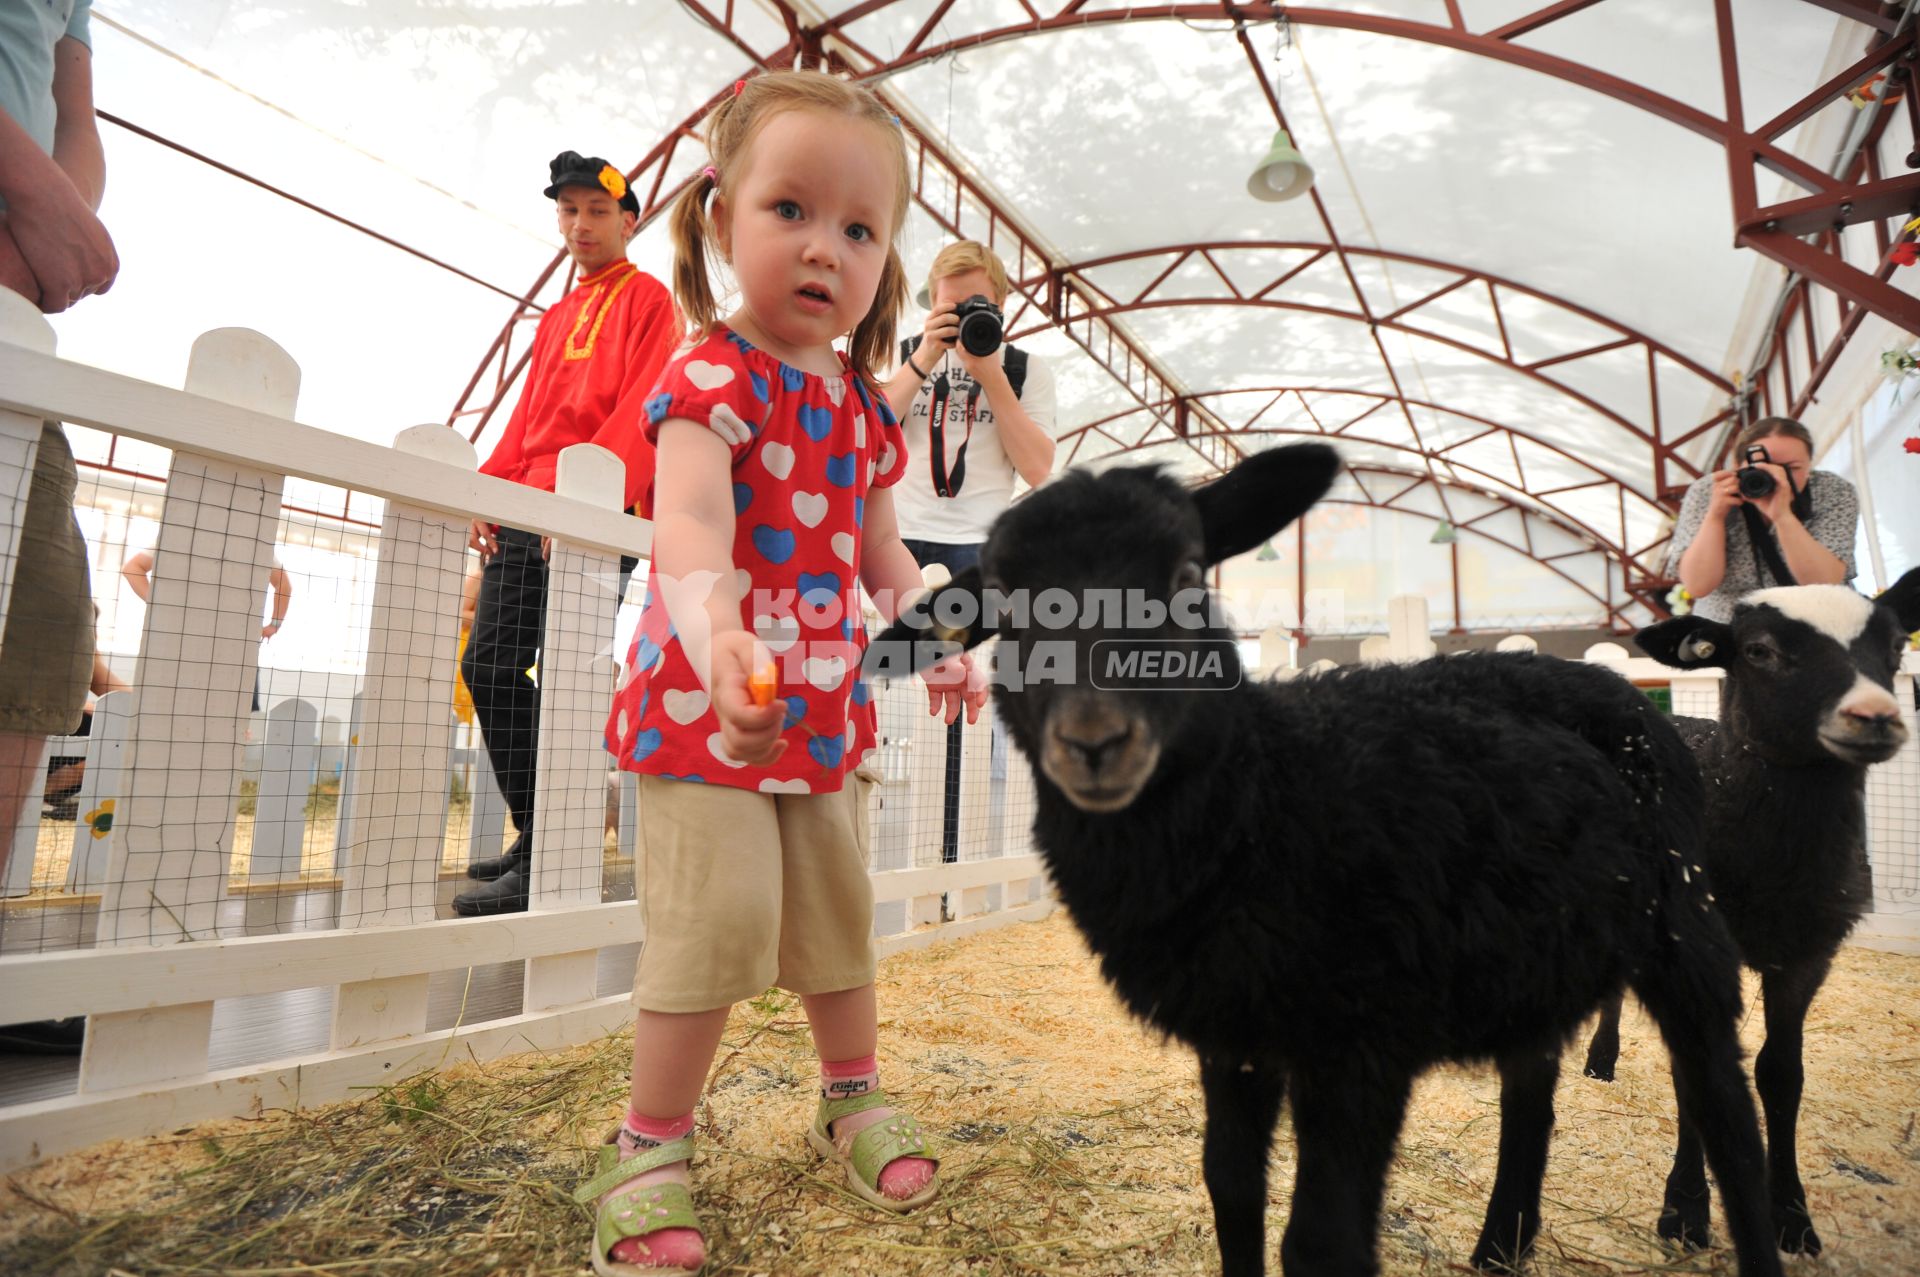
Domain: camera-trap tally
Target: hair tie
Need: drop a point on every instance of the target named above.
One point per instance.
(711, 173)
(738, 85)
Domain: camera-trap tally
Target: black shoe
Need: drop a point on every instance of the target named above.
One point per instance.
(505, 894)
(515, 857)
(44, 1037)
(59, 809)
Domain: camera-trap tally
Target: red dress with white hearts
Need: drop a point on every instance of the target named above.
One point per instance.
(806, 450)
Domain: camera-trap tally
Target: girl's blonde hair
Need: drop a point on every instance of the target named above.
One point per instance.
(731, 127)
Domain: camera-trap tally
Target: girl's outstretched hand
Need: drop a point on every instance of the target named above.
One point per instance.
(749, 729)
(953, 683)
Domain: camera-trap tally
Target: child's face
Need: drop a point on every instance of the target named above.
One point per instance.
(807, 227)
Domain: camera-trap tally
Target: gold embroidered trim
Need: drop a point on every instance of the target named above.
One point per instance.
(573, 350)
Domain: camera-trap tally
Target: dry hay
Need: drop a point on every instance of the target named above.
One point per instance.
(1071, 1144)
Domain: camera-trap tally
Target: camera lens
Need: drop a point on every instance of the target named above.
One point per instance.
(980, 325)
(1754, 482)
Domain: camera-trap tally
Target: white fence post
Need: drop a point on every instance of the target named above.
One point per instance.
(26, 835)
(280, 803)
(21, 324)
(398, 770)
(199, 656)
(107, 741)
(576, 691)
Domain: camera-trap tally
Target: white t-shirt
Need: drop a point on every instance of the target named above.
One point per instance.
(986, 486)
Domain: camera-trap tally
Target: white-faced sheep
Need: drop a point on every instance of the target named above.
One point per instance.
(1806, 708)
(1328, 885)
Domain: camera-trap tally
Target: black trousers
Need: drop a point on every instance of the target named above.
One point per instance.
(509, 623)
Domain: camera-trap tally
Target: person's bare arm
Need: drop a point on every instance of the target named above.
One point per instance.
(138, 572)
(104, 679)
(15, 275)
(281, 586)
(76, 135)
(49, 216)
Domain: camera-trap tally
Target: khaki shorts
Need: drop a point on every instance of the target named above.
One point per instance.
(742, 890)
(46, 652)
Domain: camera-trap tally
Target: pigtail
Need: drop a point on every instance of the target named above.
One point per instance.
(871, 347)
(692, 286)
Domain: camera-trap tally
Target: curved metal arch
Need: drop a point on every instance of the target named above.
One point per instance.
(1496, 44)
(1664, 450)
(1643, 589)
(1629, 559)
(1412, 480)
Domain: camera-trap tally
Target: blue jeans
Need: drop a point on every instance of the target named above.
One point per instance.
(954, 557)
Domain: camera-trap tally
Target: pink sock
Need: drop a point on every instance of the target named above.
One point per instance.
(843, 1079)
(670, 1247)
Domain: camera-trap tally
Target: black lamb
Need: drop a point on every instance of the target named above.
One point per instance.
(1806, 708)
(1329, 885)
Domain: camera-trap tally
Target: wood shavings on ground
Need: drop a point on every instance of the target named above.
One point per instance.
(1071, 1138)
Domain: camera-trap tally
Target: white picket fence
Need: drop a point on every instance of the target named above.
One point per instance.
(169, 754)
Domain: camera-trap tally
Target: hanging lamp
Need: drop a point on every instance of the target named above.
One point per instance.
(1445, 534)
(1283, 175)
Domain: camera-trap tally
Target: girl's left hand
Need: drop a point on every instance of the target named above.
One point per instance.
(953, 683)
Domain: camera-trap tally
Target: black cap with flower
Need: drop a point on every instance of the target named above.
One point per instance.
(570, 168)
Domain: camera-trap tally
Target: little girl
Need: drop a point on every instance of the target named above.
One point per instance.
(771, 496)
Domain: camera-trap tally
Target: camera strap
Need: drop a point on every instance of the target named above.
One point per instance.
(1767, 559)
(945, 483)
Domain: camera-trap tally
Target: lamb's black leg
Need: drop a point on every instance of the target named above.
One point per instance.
(1603, 1051)
(1693, 994)
(1779, 1076)
(1526, 1128)
(1687, 1206)
(1346, 1120)
(1243, 1104)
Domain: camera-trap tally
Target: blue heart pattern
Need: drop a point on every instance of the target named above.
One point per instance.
(742, 497)
(796, 710)
(826, 586)
(842, 469)
(657, 406)
(645, 743)
(776, 545)
(826, 750)
(759, 385)
(815, 419)
(792, 378)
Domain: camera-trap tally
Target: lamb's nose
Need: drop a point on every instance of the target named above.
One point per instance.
(1092, 744)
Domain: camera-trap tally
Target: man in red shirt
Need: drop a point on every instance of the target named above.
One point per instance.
(595, 357)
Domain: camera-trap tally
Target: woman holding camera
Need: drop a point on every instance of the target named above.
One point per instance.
(1771, 519)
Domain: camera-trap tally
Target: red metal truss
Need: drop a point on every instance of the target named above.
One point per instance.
(651, 174)
(1407, 319)
(1386, 488)
(1340, 413)
(1052, 293)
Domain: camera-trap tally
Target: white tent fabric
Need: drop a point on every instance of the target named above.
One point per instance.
(431, 123)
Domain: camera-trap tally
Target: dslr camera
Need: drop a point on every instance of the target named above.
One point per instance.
(980, 325)
(1754, 482)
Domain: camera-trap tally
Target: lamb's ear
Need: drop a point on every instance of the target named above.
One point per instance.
(1262, 495)
(1688, 643)
(933, 627)
(1903, 596)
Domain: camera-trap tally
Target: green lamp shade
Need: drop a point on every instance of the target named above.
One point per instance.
(1444, 534)
(1283, 174)
(1267, 553)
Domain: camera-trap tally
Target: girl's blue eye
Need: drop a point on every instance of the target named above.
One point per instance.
(859, 233)
(788, 210)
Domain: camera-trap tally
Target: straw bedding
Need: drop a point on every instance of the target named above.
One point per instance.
(1071, 1142)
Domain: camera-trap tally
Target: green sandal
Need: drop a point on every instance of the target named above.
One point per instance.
(898, 1136)
(639, 1213)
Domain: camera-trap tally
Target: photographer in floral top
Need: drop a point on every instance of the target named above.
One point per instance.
(1798, 532)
